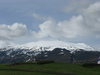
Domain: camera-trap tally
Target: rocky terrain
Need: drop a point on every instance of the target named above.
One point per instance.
(50, 50)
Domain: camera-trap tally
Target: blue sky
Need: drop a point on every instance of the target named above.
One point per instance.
(23, 21)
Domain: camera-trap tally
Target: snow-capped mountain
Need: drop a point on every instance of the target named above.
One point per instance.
(50, 45)
(46, 50)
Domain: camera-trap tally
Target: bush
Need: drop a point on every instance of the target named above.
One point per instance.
(91, 65)
(45, 62)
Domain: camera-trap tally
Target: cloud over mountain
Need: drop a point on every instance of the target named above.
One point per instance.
(84, 24)
(87, 23)
(68, 20)
(8, 32)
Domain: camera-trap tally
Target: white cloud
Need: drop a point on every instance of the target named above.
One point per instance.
(66, 28)
(37, 16)
(92, 18)
(87, 23)
(11, 31)
(74, 6)
(40, 17)
(46, 29)
(5, 44)
(13, 34)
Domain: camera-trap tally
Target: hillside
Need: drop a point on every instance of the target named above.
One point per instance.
(59, 51)
(48, 69)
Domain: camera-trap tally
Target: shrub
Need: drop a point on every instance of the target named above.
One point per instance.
(45, 62)
(91, 65)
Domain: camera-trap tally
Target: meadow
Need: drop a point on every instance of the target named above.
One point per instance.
(55, 68)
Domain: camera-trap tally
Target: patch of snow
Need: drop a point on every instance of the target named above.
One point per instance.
(72, 52)
(45, 55)
(62, 52)
(9, 52)
(48, 46)
(98, 62)
(12, 56)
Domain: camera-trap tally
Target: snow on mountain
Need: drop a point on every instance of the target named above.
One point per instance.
(58, 44)
(50, 45)
(49, 50)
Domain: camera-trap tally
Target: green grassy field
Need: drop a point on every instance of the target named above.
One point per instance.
(48, 69)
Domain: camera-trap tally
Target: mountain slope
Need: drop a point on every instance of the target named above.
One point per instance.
(49, 50)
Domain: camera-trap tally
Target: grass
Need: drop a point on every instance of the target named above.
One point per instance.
(22, 73)
(46, 68)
